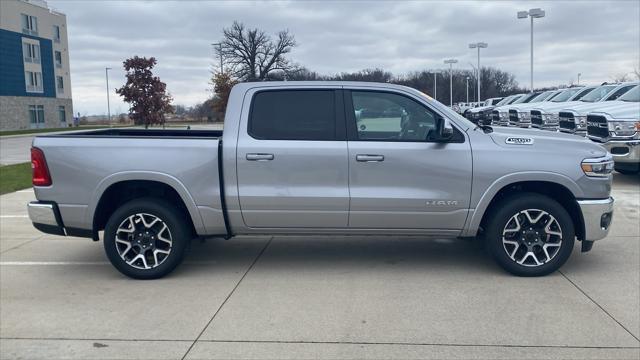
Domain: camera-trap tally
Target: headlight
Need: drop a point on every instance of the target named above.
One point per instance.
(600, 167)
(624, 128)
(504, 115)
(550, 117)
(581, 121)
(524, 115)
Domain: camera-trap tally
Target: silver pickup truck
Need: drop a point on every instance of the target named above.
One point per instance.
(325, 158)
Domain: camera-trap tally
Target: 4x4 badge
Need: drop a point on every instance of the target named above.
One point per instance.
(519, 141)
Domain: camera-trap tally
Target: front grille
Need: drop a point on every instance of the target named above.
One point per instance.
(536, 118)
(567, 122)
(495, 118)
(597, 126)
(513, 117)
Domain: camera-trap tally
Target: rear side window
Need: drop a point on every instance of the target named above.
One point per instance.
(293, 115)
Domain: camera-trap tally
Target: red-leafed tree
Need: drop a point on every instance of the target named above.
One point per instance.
(146, 94)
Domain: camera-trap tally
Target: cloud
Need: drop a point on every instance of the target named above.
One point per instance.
(599, 39)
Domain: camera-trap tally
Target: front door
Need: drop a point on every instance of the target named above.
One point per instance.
(292, 160)
(398, 179)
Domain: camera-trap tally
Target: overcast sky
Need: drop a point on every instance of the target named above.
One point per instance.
(599, 39)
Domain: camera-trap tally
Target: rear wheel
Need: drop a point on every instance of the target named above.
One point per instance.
(530, 235)
(146, 238)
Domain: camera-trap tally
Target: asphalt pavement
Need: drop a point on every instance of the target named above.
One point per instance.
(318, 297)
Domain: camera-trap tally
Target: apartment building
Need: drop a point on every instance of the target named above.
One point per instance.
(35, 81)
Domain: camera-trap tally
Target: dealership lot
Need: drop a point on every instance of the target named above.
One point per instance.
(318, 297)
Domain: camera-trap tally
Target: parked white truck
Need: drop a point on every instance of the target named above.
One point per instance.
(328, 158)
(545, 115)
(618, 130)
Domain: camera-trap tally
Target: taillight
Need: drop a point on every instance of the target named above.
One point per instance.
(41, 175)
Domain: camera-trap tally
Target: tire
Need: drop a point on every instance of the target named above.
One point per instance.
(145, 249)
(539, 247)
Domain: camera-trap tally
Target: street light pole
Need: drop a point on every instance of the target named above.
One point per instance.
(478, 45)
(435, 85)
(532, 13)
(106, 75)
(450, 62)
(579, 78)
(467, 89)
(220, 53)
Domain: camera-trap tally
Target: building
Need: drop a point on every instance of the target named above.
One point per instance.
(35, 84)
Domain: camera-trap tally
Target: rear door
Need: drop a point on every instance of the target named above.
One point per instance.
(398, 178)
(292, 159)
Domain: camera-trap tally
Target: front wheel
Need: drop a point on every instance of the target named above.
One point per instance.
(146, 238)
(530, 235)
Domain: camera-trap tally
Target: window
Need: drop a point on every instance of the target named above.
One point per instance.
(31, 52)
(36, 114)
(60, 83)
(29, 24)
(293, 115)
(33, 81)
(619, 92)
(62, 114)
(391, 117)
(58, 58)
(56, 33)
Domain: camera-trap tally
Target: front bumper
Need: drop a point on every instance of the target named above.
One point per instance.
(597, 215)
(624, 151)
(45, 217)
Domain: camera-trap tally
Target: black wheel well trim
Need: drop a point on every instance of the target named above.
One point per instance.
(121, 192)
(554, 190)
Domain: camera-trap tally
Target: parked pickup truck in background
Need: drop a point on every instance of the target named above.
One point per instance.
(482, 115)
(545, 115)
(573, 119)
(618, 129)
(305, 158)
(519, 115)
(500, 114)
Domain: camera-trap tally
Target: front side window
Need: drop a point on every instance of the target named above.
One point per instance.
(293, 115)
(391, 117)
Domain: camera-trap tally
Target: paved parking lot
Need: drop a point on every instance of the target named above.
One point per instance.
(318, 297)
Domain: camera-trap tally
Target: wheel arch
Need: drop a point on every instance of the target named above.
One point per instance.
(122, 187)
(558, 187)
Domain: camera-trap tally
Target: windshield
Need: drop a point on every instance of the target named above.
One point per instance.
(565, 95)
(541, 97)
(505, 101)
(598, 93)
(515, 99)
(526, 98)
(632, 95)
(582, 93)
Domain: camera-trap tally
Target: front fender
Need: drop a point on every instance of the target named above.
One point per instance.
(473, 224)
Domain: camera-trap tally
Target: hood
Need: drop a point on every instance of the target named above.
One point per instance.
(600, 106)
(554, 107)
(544, 141)
(630, 111)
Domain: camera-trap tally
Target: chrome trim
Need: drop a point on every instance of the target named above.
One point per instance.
(592, 211)
(42, 213)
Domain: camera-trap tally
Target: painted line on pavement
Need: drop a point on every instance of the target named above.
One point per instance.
(13, 216)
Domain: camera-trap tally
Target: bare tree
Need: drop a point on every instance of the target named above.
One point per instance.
(252, 55)
(621, 77)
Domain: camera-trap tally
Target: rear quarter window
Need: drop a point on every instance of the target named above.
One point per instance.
(293, 115)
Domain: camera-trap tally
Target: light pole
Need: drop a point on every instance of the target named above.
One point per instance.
(219, 45)
(467, 90)
(450, 62)
(532, 13)
(106, 75)
(435, 85)
(479, 45)
(579, 78)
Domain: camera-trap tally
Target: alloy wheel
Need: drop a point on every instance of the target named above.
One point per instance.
(532, 237)
(143, 241)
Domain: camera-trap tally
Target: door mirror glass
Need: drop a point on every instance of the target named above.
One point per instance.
(443, 133)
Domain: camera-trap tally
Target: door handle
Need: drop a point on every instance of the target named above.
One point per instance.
(259, 157)
(369, 158)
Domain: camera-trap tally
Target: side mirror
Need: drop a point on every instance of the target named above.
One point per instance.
(445, 130)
